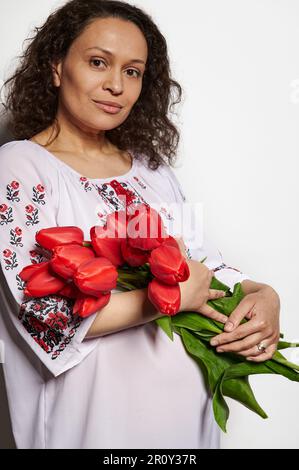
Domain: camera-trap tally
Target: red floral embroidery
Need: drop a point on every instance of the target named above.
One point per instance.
(50, 322)
(121, 191)
(57, 321)
(85, 183)
(39, 194)
(31, 215)
(10, 259)
(5, 214)
(12, 193)
(16, 237)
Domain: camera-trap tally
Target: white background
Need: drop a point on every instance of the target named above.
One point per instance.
(238, 63)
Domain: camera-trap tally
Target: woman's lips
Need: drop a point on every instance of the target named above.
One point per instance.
(108, 109)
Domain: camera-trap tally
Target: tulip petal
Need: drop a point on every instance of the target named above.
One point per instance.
(166, 298)
(67, 258)
(133, 256)
(43, 283)
(87, 305)
(32, 269)
(145, 228)
(168, 264)
(53, 236)
(96, 276)
(70, 290)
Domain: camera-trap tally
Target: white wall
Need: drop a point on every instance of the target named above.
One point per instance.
(237, 61)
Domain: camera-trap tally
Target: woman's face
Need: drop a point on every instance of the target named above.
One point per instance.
(88, 74)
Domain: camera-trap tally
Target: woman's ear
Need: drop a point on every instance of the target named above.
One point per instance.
(56, 70)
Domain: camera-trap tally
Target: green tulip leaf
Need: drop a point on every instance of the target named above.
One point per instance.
(220, 408)
(166, 325)
(195, 322)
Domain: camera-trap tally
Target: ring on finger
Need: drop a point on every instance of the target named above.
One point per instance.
(261, 347)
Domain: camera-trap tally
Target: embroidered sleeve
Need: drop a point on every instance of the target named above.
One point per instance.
(27, 204)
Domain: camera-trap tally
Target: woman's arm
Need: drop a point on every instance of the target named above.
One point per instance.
(129, 309)
(124, 310)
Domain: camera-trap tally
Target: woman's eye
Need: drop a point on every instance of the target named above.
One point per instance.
(96, 60)
(136, 71)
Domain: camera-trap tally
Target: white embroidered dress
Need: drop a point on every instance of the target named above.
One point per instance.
(131, 389)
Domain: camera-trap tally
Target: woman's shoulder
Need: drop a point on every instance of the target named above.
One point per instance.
(20, 151)
(23, 158)
(16, 146)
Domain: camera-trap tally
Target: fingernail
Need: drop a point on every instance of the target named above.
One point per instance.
(219, 350)
(214, 342)
(229, 325)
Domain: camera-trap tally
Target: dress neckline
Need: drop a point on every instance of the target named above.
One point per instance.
(76, 173)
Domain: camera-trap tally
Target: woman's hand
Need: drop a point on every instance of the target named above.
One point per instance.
(261, 331)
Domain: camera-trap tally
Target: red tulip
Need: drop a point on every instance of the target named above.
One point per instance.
(70, 290)
(32, 269)
(43, 283)
(133, 256)
(166, 298)
(67, 258)
(106, 240)
(106, 247)
(145, 229)
(96, 277)
(53, 236)
(168, 264)
(86, 305)
(171, 241)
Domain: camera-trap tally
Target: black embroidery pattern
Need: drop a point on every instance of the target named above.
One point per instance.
(16, 237)
(224, 266)
(12, 191)
(39, 194)
(85, 184)
(117, 195)
(5, 214)
(20, 283)
(10, 259)
(31, 215)
(50, 322)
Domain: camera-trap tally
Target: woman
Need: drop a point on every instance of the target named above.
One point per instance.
(112, 380)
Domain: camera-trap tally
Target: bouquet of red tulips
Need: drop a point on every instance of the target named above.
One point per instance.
(87, 271)
(121, 254)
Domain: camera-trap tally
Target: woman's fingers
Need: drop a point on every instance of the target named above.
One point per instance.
(254, 351)
(240, 332)
(216, 294)
(248, 343)
(264, 356)
(209, 312)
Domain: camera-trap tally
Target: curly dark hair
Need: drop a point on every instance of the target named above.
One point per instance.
(32, 99)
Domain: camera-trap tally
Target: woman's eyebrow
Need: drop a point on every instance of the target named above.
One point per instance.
(111, 54)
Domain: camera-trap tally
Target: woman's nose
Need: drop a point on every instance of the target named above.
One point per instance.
(114, 82)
